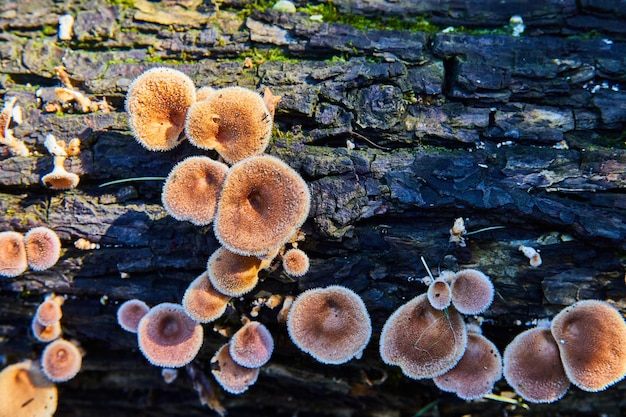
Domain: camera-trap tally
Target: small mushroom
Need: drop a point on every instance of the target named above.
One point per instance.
(295, 262)
(472, 291)
(16, 146)
(192, 189)
(130, 312)
(157, 102)
(331, 324)
(262, 204)
(533, 368)
(252, 345)
(26, 392)
(43, 248)
(49, 311)
(232, 274)
(58, 178)
(61, 360)
(13, 261)
(45, 333)
(591, 336)
(202, 302)
(439, 294)
(233, 377)
(532, 255)
(168, 337)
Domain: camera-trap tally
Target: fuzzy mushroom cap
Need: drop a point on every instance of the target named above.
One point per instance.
(168, 337)
(533, 368)
(48, 312)
(233, 377)
(13, 261)
(61, 360)
(43, 248)
(439, 294)
(233, 274)
(295, 262)
(192, 189)
(129, 314)
(591, 336)
(26, 392)
(203, 93)
(157, 103)
(472, 291)
(331, 324)
(263, 202)
(202, 301)
(60, 179)
(423, 341)
(234, 121)
(476, 373)
(45, 333)
(252, 345)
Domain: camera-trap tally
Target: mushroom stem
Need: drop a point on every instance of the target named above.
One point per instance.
(16, 146)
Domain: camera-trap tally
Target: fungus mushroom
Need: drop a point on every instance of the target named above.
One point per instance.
(422, 341)
(271, 101)
(26, 392)
(58, 178)
(192, 188)
(203, 93)
(263, 202)
(130, 312)
(591, 336)
(13, 261)
(476, 373)
(533, 256)
(16, 147)
(43, 248)
(252, 345)
(202, 302)
(472, 291)
(295, 262)
(45, 333)
(61, 360)
(233, 274)
(157, 103)
(331, 324)
(234, 121)
(533, 368)
(49, 311)
(233, 377)
(168, 337)
(439, 294)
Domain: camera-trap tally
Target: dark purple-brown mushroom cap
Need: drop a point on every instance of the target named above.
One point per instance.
(61, 360)
(423, 341)
(129, 314)
(591, 336)
(13, 260)
(233, 377)
(168, 337)
(533, 368)
(252, 345)
(331, 324)
(472, 291)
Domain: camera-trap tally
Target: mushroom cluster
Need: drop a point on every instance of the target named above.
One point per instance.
(584, 344)
(428, 338)
(38, 250)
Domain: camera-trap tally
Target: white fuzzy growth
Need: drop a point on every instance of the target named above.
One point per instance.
(517, 25)
(66, 23)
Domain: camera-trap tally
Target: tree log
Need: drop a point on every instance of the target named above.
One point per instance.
(398, 132)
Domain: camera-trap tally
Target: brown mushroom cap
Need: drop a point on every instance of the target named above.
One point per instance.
(472, 291)
(533, 368)
(202, 302)
(45, 333)
(13, 261)
(423, 341)
(192, 189)
(476, 373)
(295, 262)
(203, 93)
(262, 204)
(130, 312)
(439, 294)
(43, 248)
(168, 337)
(234, 121)
(48, 312)
(60, 180)
(26, 392)
(157, 103)
(591, 336)
(331, 324)
(252, 345)
(233, 377)
(61, 360)
(233, 274)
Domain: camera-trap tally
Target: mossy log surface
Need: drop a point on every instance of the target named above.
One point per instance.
(521, 132)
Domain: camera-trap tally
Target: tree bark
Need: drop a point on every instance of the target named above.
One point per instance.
(520, 132)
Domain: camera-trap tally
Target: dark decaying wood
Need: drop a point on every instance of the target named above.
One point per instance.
(520, 132)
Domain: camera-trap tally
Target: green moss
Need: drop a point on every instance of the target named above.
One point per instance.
(49, 30)
(123, 3)
(259, 55)
(252, 6)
